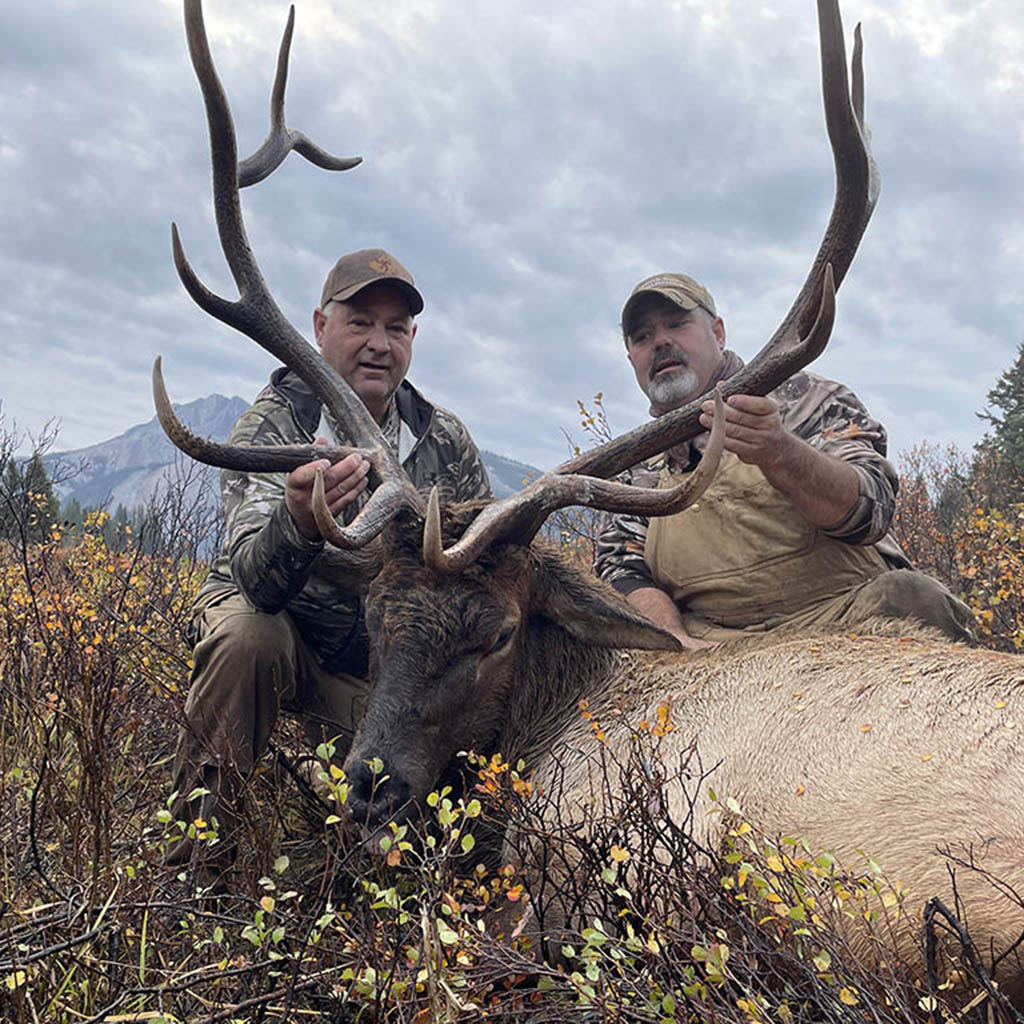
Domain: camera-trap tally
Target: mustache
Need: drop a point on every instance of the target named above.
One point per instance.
(666, 357)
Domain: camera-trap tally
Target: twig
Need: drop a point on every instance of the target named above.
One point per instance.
(934, 907)
(42, 954)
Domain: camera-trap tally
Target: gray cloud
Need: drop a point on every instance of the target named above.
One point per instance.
(529, 163)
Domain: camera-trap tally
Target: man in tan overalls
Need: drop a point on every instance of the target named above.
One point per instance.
(794, 530)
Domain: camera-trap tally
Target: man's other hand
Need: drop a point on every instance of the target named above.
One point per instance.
(753, 429)
(343, 483)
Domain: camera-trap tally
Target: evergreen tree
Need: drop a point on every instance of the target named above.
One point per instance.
(72, 512)
(1007, 397)
(12, 491)
(40, 501)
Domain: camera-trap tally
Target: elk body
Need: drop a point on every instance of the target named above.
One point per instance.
(482, 639)
(894, 747)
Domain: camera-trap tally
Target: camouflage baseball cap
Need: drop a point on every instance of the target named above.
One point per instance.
(355, 270)
(684, 291)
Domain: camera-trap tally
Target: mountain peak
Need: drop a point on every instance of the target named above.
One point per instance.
(130, 468)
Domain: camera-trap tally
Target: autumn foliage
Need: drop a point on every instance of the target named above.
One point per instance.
(961, 518)
(440, 926)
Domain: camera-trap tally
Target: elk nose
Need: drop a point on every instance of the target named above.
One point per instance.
(375, 797)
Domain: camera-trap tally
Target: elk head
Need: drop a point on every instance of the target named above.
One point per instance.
(459, 595)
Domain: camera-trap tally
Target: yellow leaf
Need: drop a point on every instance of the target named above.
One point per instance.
(268, 903)
(865, 728)
(848, 997)
(619, 854)
(774, 864)
(926, 757)
(1000, 704)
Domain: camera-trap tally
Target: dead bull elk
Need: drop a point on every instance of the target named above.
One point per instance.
(483, 639)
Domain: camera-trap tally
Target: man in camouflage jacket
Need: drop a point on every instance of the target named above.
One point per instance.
(794, 530)
(279, 620)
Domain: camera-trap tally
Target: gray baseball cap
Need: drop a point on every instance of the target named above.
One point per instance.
(681, 289)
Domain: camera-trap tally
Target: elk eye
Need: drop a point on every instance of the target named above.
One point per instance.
(502, 639)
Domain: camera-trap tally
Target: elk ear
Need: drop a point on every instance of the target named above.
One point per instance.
(590, 610)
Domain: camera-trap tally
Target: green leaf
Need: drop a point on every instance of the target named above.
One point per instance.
(281, 864)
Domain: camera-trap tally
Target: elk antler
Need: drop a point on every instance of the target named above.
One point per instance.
(799, 339)
(585, 490)
(256, 314)
(281, 140)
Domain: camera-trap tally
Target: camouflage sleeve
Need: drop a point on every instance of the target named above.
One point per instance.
(270, 560)
(620, 544)
(831, 418)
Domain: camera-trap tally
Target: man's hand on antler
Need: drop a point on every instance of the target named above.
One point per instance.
(753, 429)
(343, 483)
(823, 488)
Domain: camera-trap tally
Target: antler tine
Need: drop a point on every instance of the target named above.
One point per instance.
(255, 313)
(281, 140)
(246, 459)
(522, 515)
(392, 496)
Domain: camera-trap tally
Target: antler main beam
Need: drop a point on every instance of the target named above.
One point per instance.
(804, 332)
(255, 313)
(799, 339)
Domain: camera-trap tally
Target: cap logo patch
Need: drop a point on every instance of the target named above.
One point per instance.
(382, 265)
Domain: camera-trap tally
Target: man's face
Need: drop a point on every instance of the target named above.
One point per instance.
(674, 352)
(368, 340)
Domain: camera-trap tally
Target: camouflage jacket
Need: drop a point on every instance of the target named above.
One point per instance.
(275, 566)
(827, 415)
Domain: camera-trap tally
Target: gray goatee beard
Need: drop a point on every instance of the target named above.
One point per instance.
(671, 389)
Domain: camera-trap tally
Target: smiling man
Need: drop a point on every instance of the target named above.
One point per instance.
(794, 530)
(279, 621)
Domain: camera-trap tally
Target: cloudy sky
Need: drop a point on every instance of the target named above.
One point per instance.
(529, 162)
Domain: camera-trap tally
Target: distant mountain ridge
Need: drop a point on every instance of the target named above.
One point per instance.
(131, 468)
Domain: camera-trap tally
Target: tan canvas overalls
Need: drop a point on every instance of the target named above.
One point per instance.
(742, 560)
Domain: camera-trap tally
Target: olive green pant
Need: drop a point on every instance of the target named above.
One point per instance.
(248, 667)
(895, 594)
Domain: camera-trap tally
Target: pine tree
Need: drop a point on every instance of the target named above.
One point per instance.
(1007, 436)
(12, 510)
(72, 512)
(41, 502)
